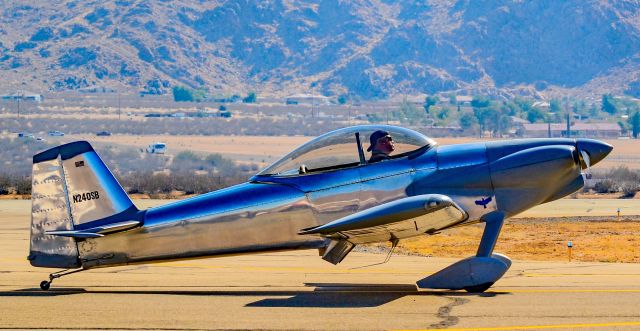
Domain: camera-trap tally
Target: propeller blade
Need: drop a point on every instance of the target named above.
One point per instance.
(584, 157)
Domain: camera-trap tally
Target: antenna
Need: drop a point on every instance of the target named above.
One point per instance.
(394, 243)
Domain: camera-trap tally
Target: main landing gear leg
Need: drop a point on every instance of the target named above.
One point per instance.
(46, 284)
(477, 273)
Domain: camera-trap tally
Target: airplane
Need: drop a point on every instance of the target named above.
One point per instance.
(323, 195)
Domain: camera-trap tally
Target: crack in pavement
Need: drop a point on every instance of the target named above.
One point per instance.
(444, 312)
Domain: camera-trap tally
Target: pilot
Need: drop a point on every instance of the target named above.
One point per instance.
(381, 146)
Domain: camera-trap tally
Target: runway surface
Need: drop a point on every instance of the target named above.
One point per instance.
(299, 291)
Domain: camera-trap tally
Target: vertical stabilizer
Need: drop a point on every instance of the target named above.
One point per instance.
(72, 189)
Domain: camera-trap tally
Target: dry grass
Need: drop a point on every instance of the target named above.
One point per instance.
(540, 239)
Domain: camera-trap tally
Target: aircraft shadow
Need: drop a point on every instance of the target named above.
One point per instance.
(324, 295)
(345, 295)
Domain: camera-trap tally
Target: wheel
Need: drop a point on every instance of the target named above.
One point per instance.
(478, 288)
(44, 285)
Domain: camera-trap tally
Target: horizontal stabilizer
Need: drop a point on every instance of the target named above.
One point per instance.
(397, 219)
(98, 231)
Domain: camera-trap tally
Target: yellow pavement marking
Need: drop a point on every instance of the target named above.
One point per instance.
(564, 290)
(580, 275)
(541, 327)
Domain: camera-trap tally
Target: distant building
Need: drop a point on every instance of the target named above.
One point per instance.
(307, 99)
(464, 100)
(544, 105)
(579, 130)
(518, 124)
(23, 96)
(440, 131)
(96, 89)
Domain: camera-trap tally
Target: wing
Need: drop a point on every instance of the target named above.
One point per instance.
(393, 220)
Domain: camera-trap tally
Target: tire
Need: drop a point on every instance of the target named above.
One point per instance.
(478, 288)
(44, 285)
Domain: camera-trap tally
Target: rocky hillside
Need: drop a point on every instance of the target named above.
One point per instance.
(368, 48)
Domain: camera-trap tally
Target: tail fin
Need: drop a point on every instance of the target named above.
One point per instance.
(72, 190)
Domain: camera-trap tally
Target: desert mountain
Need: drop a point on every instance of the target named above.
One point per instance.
(368, 48)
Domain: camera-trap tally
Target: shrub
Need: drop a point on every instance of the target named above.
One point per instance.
(620, 179)
(43, 34)
(250, 98)
(605, 186)
(181, 93)
(23, 46)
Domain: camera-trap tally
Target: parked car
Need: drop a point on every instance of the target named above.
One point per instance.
(157, 148)
(56, 133)
(103, 134)
(25, 135)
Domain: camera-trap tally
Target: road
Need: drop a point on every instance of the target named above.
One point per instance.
(299, 291)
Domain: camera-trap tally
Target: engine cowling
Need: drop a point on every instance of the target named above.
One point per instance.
(532, 176)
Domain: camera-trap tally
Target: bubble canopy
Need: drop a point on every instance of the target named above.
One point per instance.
(340, 149)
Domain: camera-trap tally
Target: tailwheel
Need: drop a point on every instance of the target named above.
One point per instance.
(45, 284)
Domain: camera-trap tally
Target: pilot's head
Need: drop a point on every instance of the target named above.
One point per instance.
(382, 142)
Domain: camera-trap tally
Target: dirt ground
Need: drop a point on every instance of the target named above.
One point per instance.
(541, 239)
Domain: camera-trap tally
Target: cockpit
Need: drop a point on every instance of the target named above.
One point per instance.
(345, 148)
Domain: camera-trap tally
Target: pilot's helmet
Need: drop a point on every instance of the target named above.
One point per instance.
(375, 136)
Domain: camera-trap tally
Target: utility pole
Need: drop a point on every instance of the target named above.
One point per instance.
(568, 123)
(18, 97)
(118, 104)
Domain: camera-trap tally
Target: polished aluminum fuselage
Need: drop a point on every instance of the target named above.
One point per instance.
(268, 212)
